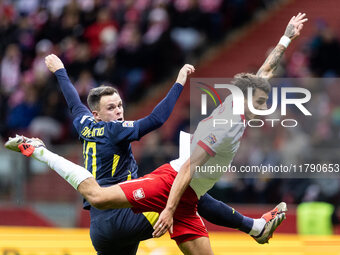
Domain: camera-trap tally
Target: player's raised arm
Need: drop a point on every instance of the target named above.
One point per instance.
(56, 66)
(183, 73)
(163, 110)
(180, 184)
(293, 30)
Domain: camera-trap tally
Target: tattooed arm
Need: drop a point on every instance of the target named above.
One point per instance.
(293, 30)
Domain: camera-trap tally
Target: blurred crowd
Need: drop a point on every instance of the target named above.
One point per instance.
(130, 44)
(135, 43)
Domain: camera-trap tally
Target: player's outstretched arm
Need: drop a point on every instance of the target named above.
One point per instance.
(56, 66)
(162, 111)
(293, 30)
(180, 184)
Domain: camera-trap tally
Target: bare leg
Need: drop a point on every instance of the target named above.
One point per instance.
(199, 246)
(111, 197)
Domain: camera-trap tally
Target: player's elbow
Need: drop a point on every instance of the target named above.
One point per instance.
(158, 119)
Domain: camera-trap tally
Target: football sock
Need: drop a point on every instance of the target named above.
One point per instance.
(257, 227)
(71, 172)
(221, 214)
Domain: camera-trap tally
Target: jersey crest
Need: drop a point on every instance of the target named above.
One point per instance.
(127, 124)
(211, 139)
(138, 194)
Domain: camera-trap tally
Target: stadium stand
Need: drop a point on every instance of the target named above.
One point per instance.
(137, 45)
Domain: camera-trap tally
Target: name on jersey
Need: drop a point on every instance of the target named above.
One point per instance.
(86, 132)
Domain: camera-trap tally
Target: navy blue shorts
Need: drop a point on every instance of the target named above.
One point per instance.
(119, 231)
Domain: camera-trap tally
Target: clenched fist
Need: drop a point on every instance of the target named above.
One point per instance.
(184, 72)
(53, 63)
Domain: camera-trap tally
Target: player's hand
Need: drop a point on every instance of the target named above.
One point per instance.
(165, 222)
(184, 72)
(53, 63)
(295, 25)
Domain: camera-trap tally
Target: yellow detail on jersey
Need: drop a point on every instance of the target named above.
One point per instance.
(129, 176)
(87, 132)
(115, 163)
(152, 217)
(84, 155)
(91, 145)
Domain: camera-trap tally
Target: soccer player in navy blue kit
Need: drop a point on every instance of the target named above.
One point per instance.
(107, 153)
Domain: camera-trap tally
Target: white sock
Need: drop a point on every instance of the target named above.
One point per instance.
(257, 227)
(72, 173)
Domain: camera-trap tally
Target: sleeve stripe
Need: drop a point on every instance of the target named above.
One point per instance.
(206, 148)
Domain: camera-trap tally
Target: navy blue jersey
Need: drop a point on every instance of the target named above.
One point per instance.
(107, 149)
(106, 145)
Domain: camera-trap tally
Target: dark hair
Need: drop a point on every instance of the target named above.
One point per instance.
(96, 94)
(248, 80)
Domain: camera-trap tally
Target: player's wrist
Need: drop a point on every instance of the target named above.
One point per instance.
(179, 81)
(285, 41)
(170, 209)
(59, 69)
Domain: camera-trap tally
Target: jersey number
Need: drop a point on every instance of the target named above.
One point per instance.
(87, 147)
(92, 146)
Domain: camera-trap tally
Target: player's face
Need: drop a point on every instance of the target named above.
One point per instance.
(110, 108)
(259, 102)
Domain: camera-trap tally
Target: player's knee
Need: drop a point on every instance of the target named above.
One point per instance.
(99, 204)
(111, 197)
(97, 199)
